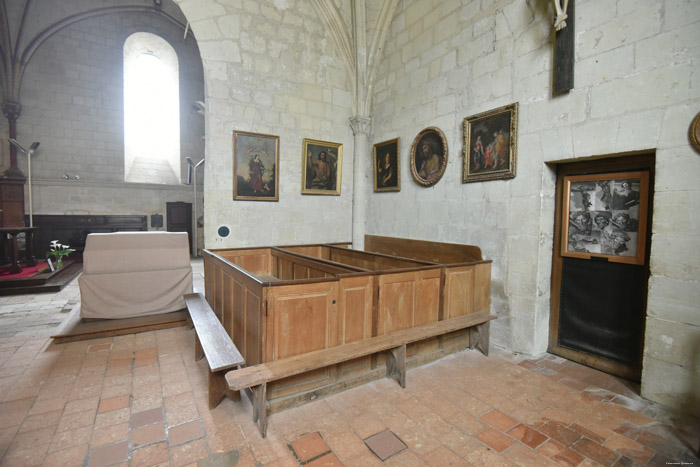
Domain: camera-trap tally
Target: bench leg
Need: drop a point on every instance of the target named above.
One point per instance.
(396, 364)
(218, 389)
(479, 337)
(198, 351)
(260, 408)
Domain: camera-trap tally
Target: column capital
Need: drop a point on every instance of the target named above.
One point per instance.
(360, 125)
(11, 110)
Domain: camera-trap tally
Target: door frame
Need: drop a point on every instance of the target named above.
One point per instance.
(640, 160)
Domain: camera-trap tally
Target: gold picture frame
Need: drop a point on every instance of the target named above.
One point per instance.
(387, 166)
(605, 216)
(694, 133)
(321, 167)
(491, 145)
(255, 166)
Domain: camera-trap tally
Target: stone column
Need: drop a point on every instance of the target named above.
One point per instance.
(360, 129)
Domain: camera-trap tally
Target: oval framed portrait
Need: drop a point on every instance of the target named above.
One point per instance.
(429, 156)
(695, 132)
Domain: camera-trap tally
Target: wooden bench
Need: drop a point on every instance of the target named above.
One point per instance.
(256, 377)
(212, 341)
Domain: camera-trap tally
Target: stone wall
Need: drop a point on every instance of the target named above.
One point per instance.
(271, 67)
(637, 86)
(72, 102)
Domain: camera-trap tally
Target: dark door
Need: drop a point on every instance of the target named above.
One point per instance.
(598, 301)
(179, 219)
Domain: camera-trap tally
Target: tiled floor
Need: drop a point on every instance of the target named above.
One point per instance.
(141, 400)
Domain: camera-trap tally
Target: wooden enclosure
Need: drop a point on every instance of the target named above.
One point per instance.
(277, 302)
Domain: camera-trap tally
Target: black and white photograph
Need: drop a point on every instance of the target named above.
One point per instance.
(605, 215)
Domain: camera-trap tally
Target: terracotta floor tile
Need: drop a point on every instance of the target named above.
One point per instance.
(559, 432)
(630, 449)
(189, 453)
(592, 431)
(568, 457)
(114, 417)
(35, 422)
(73, 456)
(442, 457)
(495, 439)
(81, 405)
(109, 435)
(309, 446)
(150, 455)
(185, 432)
(595, 451)
(527, 435)
(113, 403)
(147, 435)
(76, 420)
(329, 460)
(47, 405)
(108, 454)
(67, 439)
(98, 347)
(498, 420)
(147, 417)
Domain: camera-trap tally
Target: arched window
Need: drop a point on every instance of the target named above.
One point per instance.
(151, 110)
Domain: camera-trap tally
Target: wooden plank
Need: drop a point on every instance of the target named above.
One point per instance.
(271, 371)
(565, 53)
(218, 347)
(74, 329)
(436, 252)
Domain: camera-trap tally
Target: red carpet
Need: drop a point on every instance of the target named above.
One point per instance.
(26, 271)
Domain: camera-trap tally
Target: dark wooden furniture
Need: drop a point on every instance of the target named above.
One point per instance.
(212, 341)
(73, 229)
(257, 376)
(11, 250)
(12, 202)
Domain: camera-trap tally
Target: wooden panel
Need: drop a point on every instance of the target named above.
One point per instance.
(444, 253)
(482, 288)
(459, 291)
(355, 305)
(397, 302)
(239, 317)
(285, 268)
(227, 312)
(301, 271)
(371, 261)
(428, 296)
(218, 292)
(253, 326)
(302, 318)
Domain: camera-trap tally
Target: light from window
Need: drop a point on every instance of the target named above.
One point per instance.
(151, 111)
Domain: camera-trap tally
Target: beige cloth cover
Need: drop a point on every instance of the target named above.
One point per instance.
(129, 274)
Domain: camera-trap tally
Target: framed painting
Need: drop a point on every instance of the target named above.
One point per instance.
(321, 166)
(429, 156)
(605, 216)
(695, 132)
(491, 145)
(387, 166)
(255, 166)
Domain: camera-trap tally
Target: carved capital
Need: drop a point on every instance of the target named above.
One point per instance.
(11, 110)
(360, 125)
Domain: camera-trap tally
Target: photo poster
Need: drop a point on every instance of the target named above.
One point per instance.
(607, 217)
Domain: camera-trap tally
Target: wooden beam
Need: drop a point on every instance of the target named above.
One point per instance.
(564, 53)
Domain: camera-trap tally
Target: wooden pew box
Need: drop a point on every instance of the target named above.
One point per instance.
(277, 302)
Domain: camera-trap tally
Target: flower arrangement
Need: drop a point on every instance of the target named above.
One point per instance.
(58, 251)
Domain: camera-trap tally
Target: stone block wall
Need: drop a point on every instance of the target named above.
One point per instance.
(637, 87)
(72, 102)
(271, 67)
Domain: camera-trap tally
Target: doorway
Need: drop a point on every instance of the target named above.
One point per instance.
(600, 262)
(179, 219)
